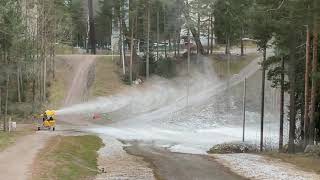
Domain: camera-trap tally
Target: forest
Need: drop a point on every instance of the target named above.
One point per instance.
(33, 31)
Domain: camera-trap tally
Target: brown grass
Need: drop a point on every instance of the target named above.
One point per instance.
(237, 63)
(58, 88)
(107, 80)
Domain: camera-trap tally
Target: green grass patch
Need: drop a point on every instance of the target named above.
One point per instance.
(107, 81)
(58, 87)
(7, 139)
(236, 63)
(63, 49)
(68, 158)
(57, 92)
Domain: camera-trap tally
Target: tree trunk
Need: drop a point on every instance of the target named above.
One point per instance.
(197, 40)
(44, 52)
(179, 30)
(208, 47)
(314, 84)
(18, 84)
(227, 49)
(45, 79)
(244, 108)
(34, 94)
(175, 45)
(292, 90)
(212, 33)
(92, 32)
(122, 53)
(188, 67)
(281, 107)
(165, 32)
(120, 41)
(54, 42)
(241, 41)
(198, 26)
(148, 41)
(307, 91)
(292, 114)
(0, 101)
(193, 30)
(40, 80)
(301, 123)
(262, 98)
(170, 47)
(132, 47)
(175, 41)
(21, 84)
(53, 66)
(6, 103)
(165, 48)
(158, 33)
(179, 39)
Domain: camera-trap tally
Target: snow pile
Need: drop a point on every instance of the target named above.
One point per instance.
(259, 167)
(178, 139)
(228, 148)
(179, 148)
(120, 165)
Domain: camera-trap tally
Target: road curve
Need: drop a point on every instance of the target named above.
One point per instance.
(176, 166)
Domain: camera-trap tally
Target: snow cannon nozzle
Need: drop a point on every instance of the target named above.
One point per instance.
(50, 112)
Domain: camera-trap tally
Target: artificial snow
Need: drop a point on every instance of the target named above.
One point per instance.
(259, 167)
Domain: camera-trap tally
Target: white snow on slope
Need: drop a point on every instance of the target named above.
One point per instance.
(262, 168)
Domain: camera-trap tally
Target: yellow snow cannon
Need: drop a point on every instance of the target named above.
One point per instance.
(48, 120)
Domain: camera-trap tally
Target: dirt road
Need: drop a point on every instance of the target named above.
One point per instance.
(78, 90)
(79, 82)
(16, 161)
(177, 166)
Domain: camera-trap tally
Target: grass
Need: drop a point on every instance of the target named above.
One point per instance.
(237, 63)
(107, 80)
(303, 161)
(7, 139)
(68, 158)
(57, 91)
(63, 49)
